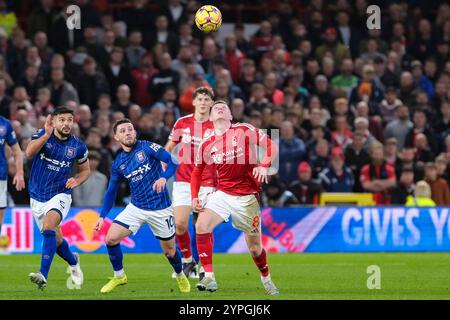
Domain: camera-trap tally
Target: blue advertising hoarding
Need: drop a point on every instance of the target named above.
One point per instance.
(296, 230)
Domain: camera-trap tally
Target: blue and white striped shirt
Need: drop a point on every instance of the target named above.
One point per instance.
(52, 165)
(8, 136)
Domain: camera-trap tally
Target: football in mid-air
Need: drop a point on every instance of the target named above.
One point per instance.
(208, 18)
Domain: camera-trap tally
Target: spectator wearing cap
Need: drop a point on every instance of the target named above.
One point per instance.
(440, 192)
(388, 106)
(356, 156)
(337, 177)
(422, 196)
(292, 152)
(331, 44)
(400, 127)
(378, 177)
(345, 80)
(91, 192)
(304, 188)
(367, 90)
(405, 187)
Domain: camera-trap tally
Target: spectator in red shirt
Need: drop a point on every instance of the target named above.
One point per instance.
(233, 56)
(140, 78)
(378, 177)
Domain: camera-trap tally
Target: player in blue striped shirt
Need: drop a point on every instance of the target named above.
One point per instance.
(139, 163)
(8, 137)
(55, 150)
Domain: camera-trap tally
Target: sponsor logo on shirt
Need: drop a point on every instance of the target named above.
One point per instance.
(54, 164)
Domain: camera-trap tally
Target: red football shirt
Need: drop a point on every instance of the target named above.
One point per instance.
(379, 197)
(189, 133)
(234, 155)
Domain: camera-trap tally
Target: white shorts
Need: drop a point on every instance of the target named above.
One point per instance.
(3, 194)
(182, 194)
(245, 211)
(161, 222)
(59, 203)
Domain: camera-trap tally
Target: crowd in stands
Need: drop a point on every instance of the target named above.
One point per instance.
(357, 110)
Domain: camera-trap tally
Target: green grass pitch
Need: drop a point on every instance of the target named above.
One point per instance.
(298, 276)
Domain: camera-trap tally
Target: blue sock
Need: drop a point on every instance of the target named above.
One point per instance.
(48, 251)
(175, 261)
(194, 245)
(115, 256)
(64, 252)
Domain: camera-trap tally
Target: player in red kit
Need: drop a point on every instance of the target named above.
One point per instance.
(188, 132)
(233, 151)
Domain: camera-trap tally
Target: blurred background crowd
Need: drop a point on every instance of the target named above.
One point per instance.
(358, 110)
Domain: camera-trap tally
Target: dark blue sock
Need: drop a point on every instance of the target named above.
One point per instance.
(194, 245)
(48, 251)
(115, 256)
(64, 252)
(175, 261)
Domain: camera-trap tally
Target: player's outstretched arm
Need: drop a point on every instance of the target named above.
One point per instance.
(165, 157)
(196, 180)
(84, 172)
(18, 180)
(40, 138)
(108, 201)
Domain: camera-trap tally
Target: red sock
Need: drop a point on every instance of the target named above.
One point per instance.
(184, 243)
(261, 263)
(205, 251)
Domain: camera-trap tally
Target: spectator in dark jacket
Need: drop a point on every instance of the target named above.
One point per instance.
(164, 77)
(337, 177)
(292, 151)
(92, 83)
(305, 189)
(404, 188)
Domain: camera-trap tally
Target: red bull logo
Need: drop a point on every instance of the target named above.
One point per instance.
(79, 231)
